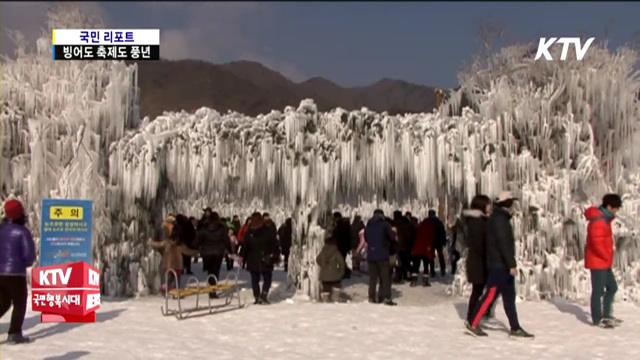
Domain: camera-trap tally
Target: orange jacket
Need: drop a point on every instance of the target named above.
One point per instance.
(598, 253)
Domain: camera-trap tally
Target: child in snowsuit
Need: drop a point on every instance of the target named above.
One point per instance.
(332, 268)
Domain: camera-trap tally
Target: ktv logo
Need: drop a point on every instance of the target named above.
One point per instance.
(66, 293)
(545, 45)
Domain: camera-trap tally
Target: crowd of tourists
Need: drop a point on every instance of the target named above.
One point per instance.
(257, 244)
(389, 249)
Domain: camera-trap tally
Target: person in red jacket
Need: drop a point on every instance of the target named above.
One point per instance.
(422, 251)
(241, 233)
(598, 258)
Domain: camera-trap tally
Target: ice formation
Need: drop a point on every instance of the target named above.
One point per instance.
(558, 134)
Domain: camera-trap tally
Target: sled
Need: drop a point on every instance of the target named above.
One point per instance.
(227, 291)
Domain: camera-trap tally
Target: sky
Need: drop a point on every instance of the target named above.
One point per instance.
(350, 43)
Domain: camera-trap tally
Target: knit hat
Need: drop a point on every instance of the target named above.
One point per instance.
(13, 209)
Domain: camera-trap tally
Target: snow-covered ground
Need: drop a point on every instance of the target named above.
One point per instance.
(427, 323)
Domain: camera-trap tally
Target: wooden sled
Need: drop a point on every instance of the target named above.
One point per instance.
(226, 291)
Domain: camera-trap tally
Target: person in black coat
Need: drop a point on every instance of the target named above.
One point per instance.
(439, 241)
(261, 251)
(214, 242)
(187, 235)
(285, 233)
(406, 237)
(474, 234)
(342, 235)
(501, 268)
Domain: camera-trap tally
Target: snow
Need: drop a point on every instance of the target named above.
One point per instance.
(296, 329)
(558, 134)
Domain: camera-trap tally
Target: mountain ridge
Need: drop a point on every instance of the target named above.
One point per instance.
(252, 88)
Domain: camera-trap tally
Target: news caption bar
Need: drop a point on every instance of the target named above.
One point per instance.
(106, 44)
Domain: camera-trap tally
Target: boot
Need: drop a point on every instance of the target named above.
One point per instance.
(325, 297)
(263, 297)
(414, 281)
(425, 282)
(389, 302)
(18, 338)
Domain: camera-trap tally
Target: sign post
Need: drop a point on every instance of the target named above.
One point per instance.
(66, 286)
(65, 231)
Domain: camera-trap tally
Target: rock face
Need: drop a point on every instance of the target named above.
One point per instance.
(559, 135)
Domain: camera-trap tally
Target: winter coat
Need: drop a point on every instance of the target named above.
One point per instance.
(17, 249)
(405, 234)
(379, 236)
(331, 262)
(285, 233)
(439, 232)
(260, 249)
(423, 245)
(342, 234)
(214, 240)
(172, 252)
(475, 239)
(598, 253)
(501, 243)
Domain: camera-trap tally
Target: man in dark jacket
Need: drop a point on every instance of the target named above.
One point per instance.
(187, 235)
(17, 253)
(214, 242)
(439, 241)
(342, 235)
(285, 233)
(405, 244)
(502, 268)
(261, 251)
(379, 237)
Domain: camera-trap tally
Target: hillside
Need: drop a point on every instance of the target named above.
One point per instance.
(251, 88)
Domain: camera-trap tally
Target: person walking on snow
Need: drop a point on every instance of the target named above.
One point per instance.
(598, 258)
(379, 237)
(332, 267)
(285, 234)
(342, 235)
(261, 251)
(214, 242)
(17, 253)
(422, 252)
(472, 230)
(439, 242)
(502, 268)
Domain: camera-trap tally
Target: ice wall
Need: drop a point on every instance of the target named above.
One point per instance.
(58, 119)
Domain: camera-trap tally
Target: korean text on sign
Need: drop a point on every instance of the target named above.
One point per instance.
(66, 213)
(106, 37)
